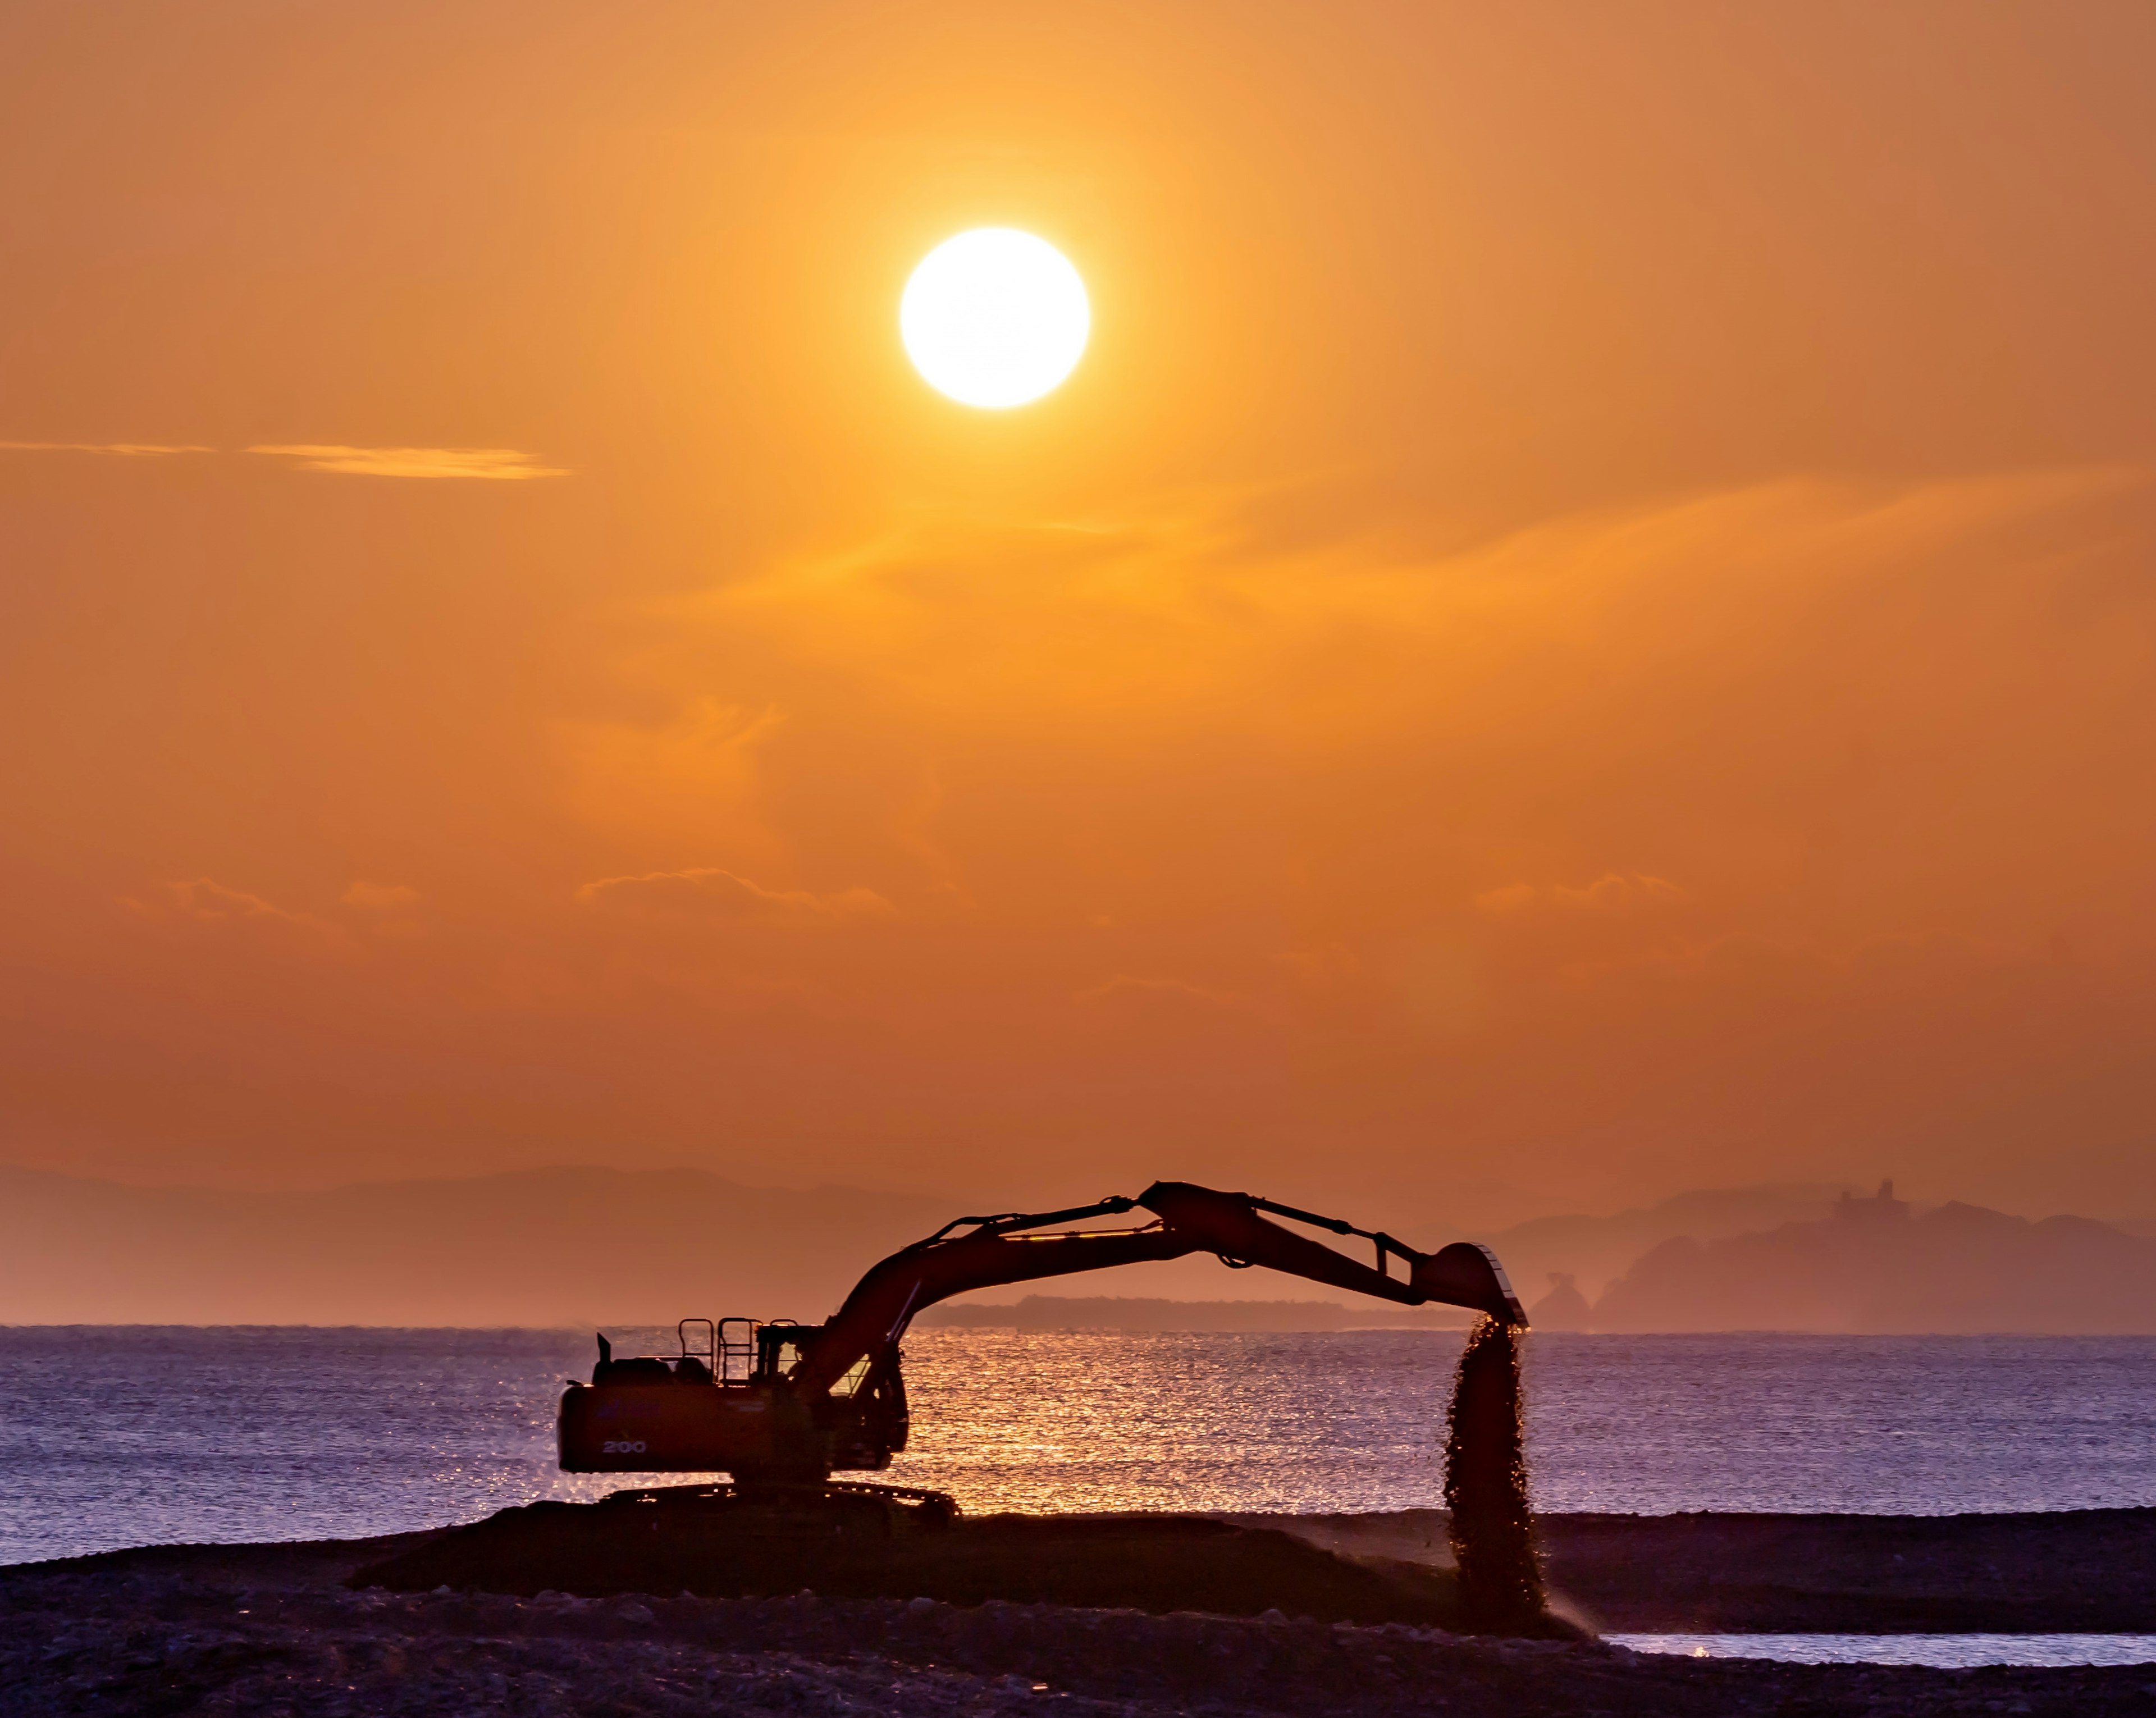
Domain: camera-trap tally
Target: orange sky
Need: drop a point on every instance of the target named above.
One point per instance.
(1585, 627)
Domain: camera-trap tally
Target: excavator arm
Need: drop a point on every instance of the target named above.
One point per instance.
(989, 1252)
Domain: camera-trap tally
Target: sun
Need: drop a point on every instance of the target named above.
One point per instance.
(994, 318)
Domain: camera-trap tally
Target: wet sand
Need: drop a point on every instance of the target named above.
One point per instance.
(269, 1629)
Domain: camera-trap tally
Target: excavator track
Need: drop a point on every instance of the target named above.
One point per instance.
(836, 1504)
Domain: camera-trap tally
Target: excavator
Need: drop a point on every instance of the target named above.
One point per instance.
(780, 1407)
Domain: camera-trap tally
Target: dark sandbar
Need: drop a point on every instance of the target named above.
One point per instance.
(263, 1629)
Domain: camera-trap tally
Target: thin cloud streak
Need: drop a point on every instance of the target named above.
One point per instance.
(136, 451)
(709, 891)
(497, 464)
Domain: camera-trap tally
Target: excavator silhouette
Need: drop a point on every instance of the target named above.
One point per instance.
(780, 1407)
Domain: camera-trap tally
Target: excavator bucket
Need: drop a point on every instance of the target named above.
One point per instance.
(1468, 1274)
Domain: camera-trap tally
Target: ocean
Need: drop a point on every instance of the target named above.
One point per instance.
(115, 1437)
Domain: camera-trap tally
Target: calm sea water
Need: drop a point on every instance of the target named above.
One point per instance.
(115, 1437)
(1942, 1652)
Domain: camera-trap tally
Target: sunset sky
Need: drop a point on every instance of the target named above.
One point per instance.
(1585, 626)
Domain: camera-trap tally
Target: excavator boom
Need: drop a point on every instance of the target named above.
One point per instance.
(817, 1399)
(1000, 1250)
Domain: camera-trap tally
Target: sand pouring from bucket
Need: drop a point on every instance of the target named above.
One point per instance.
(1486, 1486)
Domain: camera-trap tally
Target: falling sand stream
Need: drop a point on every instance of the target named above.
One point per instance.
(1485, 1486)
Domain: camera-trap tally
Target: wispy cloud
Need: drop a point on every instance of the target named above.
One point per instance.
(1613, 894)
(130, 449)
(496, 464)
(379, 897)
(710, 893)
(1126, 987)
(205, 901)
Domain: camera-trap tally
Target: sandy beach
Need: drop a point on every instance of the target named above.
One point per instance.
(276, 1629)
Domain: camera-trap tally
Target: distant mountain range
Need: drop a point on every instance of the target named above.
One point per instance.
(587, 1246)
(1874, 1265)
(1595, 1251)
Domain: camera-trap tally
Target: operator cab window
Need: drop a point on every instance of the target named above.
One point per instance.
(851, 1382)
(784, 1348)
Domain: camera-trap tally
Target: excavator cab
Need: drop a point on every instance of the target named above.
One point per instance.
(739, 1413)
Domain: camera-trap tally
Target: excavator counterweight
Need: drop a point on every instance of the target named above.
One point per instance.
(776, 1404)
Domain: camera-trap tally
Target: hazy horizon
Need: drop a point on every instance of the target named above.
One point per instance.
(574, 1247)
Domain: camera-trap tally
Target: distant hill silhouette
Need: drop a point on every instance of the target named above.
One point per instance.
(1595, 1251)
(1564, 1308)
(539, 1247)
(1874, 1266)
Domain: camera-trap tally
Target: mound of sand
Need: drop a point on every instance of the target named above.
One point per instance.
(1155, 1563)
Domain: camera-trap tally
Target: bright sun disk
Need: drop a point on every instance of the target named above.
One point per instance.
(994, 317)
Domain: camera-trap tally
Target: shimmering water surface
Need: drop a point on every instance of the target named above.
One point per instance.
(126, 1436)
(1943, 1651)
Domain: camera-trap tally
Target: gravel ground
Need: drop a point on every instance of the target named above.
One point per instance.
(270, 1630)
